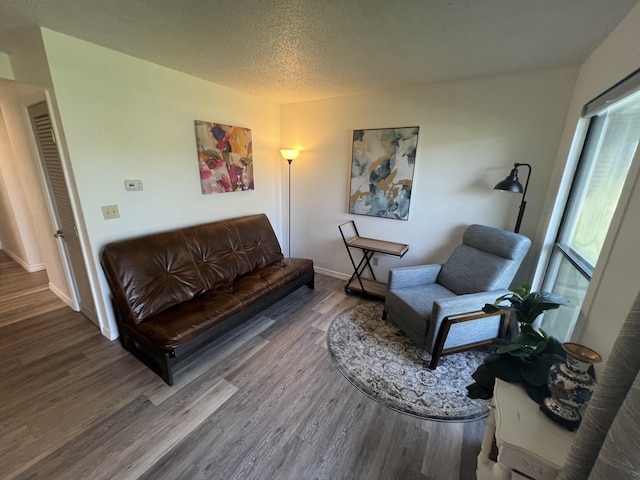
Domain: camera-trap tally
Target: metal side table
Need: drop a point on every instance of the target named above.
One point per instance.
(369, 247)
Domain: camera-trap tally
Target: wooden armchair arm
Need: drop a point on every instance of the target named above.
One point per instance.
(439, 349)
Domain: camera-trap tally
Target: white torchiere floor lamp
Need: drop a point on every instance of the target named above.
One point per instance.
(289, 156)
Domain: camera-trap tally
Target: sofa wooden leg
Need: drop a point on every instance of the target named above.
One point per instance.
(156, 359)
(165, 370)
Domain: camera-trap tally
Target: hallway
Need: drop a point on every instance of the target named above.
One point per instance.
(23, 294)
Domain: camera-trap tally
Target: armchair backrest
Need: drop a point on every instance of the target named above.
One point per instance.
(487, 260)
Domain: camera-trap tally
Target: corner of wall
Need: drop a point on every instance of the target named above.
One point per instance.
(5, 67)
(29, 59)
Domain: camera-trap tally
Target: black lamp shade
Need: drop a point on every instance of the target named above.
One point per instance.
(511, 183)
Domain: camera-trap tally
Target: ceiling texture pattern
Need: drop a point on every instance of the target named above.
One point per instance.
(296, 50)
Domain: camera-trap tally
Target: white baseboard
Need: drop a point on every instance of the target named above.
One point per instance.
(61, 296)
(29, 268)
(331, 273)
(110, 334)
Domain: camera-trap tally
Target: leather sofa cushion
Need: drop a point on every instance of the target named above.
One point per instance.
(149, 274)
(153, 273)
(183, 322)
(225, 250)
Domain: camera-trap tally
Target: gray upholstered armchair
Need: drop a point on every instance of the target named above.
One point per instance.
(439, 306)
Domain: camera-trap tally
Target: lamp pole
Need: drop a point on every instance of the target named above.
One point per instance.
(523, 203)
(289, 156)
(289, 210)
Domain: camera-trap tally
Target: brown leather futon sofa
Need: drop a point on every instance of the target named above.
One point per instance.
(174, 292)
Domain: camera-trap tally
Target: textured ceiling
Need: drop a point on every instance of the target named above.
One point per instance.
(293, 50)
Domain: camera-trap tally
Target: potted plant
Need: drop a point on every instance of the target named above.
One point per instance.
(528, 358)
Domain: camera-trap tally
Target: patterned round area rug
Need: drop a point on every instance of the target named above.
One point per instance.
(382, 362)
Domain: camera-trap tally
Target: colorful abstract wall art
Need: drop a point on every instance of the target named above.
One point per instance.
(382, 171)
(225, 157)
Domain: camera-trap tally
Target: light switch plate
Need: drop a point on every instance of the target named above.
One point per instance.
(133, 185)
(110, 211)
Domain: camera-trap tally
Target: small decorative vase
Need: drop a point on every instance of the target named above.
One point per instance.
(571, 385)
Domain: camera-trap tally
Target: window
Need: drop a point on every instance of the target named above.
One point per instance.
(607, 153)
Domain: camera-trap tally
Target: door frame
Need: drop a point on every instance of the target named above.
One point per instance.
(98, 314)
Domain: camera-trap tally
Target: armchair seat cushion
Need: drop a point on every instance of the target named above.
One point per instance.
(411, 308)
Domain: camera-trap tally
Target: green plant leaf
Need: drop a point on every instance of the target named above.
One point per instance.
(536, 393)
(541, 347)
(502, 298)
(483, 378)
(525, 353)
(476, 391)
(516, 350)
(494, 357)
(501, 341)
(508, 369)
(522, 291)
(510, 348)
(537, 302)
(544, 334)
(491, 308)
(554, 346)
(526, 360)
(531, 339)
(516, 302)
(527, 331)
(537, 371)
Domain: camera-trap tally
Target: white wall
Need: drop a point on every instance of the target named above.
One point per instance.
(10, 232)
(125, 118)
(28, 58)
(616, 281)
(19, 238)
(471, 134)
(5, 67)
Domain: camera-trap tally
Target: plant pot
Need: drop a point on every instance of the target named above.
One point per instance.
(571, 385)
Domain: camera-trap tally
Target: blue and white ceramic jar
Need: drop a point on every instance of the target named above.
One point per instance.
(571, 385)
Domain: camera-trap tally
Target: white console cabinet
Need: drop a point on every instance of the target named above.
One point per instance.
(530, 445)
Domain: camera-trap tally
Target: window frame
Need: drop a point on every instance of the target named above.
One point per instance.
(561, 249)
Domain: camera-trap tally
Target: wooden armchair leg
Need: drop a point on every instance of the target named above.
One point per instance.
(435, 358)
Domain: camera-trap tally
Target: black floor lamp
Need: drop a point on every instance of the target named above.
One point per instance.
(289, 156)
(511, 184)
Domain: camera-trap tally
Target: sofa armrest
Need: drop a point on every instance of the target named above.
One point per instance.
(471, 302)
(413, 276)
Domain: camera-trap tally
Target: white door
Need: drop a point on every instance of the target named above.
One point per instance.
(64, 228)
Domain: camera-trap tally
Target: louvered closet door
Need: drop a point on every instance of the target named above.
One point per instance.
(65, 228)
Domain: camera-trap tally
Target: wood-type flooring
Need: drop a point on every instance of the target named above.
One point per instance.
(263, 402)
